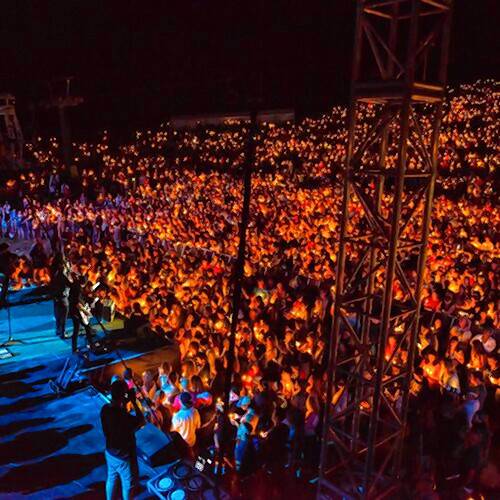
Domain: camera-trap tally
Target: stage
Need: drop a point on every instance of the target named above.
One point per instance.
(52, 446)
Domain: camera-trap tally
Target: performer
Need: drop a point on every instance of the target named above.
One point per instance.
(79, 311)
(119, 429)
(6, 263)
(60, 285)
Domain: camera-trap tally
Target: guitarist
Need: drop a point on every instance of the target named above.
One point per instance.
(59, 282)
(79, 312)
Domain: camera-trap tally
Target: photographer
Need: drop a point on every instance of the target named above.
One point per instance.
(119, 429)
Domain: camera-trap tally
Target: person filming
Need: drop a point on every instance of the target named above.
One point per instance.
(119, 427)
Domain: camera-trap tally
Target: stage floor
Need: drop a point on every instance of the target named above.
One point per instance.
(29, 321)
(32, 328)
(52, 447)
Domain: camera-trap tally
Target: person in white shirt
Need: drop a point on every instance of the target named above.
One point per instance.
(463, 328)
(486, 338)
(187, 420)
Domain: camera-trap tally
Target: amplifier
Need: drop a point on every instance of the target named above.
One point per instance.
(155, 447)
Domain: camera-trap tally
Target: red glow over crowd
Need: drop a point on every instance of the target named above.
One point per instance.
(155, 221)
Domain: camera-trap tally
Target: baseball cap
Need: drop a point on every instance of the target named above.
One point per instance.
(186, 399)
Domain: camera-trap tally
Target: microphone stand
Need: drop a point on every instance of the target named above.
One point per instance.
(10, 340)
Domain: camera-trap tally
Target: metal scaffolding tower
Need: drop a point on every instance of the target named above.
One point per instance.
(398, 84)
(11, 135)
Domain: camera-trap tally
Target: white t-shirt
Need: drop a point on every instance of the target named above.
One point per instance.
(489, 345)
(186, 421)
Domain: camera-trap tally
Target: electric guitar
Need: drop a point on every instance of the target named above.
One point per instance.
(85, 310)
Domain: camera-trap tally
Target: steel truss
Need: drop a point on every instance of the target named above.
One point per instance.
(398, 82)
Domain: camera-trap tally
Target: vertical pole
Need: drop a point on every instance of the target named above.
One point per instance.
(65, 135)
(240, 261)
(394, 241)
(340, 271)
(388, 293)
(379, 190)
(422, 259)
(380, 182)
(238, 272)
(370, 287)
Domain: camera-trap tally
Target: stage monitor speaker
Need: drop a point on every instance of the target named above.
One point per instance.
(180, 480)
(155, 447)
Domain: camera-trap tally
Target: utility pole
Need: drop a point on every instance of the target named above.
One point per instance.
(62, 101)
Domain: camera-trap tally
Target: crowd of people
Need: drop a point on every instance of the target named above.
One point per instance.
(155, 222)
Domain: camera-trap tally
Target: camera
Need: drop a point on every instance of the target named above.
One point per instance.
(129, 395)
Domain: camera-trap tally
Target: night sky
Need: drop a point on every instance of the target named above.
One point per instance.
(136, 63)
